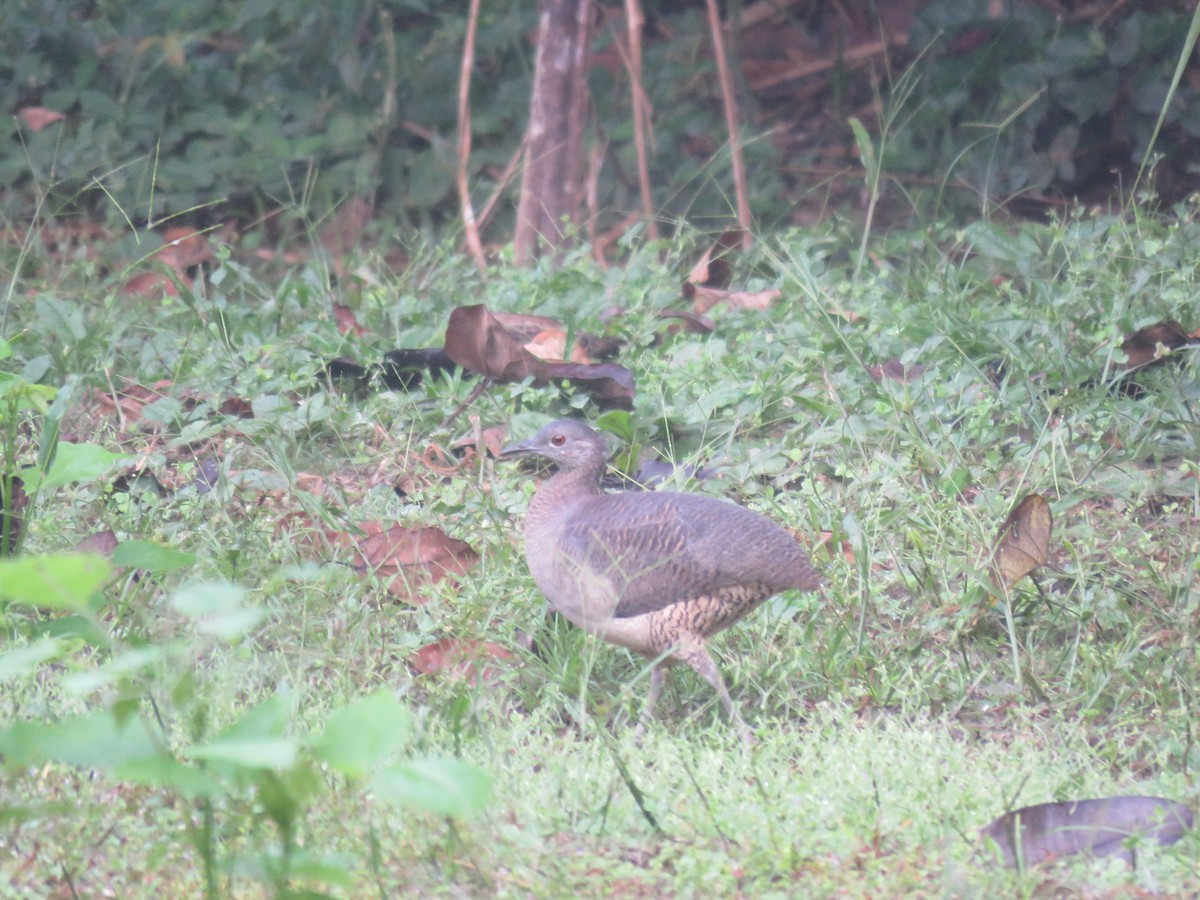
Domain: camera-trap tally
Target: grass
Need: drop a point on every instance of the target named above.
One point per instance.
(894, 717)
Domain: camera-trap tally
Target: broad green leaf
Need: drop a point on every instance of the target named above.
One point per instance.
(57, 581)
(24, 660)
(218, 609)
(162, 771)
(121, 666)
(73, 462)
(268, 719)
(362, 735)
(151, 557)
(444, 786)
(92, 741)
(618, 422)
(249, 752)
(208, 598)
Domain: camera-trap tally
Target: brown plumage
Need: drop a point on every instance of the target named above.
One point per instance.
(657, 572)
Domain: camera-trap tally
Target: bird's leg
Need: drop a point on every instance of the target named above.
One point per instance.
(693, 652)
(658, 677)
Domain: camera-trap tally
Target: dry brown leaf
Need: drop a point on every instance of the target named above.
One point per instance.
(99, 542)
(183, 248)
(705, 298)
(525, 327)
(347, 322)
(459, 659)
(712, 269)
(35, 118)
(477, 341)
(894, 370)
(1023, 543)
(152, 284)
(690, 322)
(1153, 344)
(411, 558)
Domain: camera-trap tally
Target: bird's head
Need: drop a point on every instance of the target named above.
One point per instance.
(566, 443)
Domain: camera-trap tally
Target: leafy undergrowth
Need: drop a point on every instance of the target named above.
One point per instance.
(334, 722)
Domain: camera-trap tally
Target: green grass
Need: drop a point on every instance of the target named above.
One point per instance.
(892, 719)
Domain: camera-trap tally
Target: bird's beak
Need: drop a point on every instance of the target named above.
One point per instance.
(520, 448)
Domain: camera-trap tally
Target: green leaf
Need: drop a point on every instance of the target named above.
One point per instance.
(57, 581)
(121, 666)
(151, 557)
(73, 462)
(445, 786)
(248, 752)
(218, 609)
(618, 422)
(866, 149)
(25, 660)
(93, 741)
(162, 771)
(362, 735)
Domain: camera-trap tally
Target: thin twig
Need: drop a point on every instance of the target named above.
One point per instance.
(634, 22)
(502, 183)
(470, 227)
(729, 101)
(476, 392)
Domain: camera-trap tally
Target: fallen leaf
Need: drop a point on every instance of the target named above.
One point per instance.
(705, 298)
(183, 248)
(894, 370)
(1102, 827)
(151, 284)
(346, 321)
(411, 558)
(525, 327)
(1153, 344)
(459, 659)
(690, 322)
(713, 269)
(477, 341)
(99, 542)
(1023, 542)
(551, 344)
(35, 118)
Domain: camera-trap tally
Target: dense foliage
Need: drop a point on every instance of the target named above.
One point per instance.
(216, 108)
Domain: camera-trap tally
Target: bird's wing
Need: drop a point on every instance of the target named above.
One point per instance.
(678, 547)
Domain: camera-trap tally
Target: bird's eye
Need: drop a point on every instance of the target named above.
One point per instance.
(558, 440)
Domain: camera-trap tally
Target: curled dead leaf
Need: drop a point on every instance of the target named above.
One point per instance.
(412, 558)
(183, 248)
(894, 370)
(1153, 344)
(477, 341)
(459, 659)
(36, 118)
(1023, 543)
(690, 322)
(347, 322)
(151, 284)
(705, 298)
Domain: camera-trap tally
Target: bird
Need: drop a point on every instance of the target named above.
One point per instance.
(656, 572)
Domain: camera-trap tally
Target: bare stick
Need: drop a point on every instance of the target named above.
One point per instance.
(731, 123)
(634, 22)
(470, 226)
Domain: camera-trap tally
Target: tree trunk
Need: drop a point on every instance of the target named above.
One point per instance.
(552, 183)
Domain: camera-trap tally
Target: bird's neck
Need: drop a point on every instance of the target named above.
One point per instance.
(557, 494)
